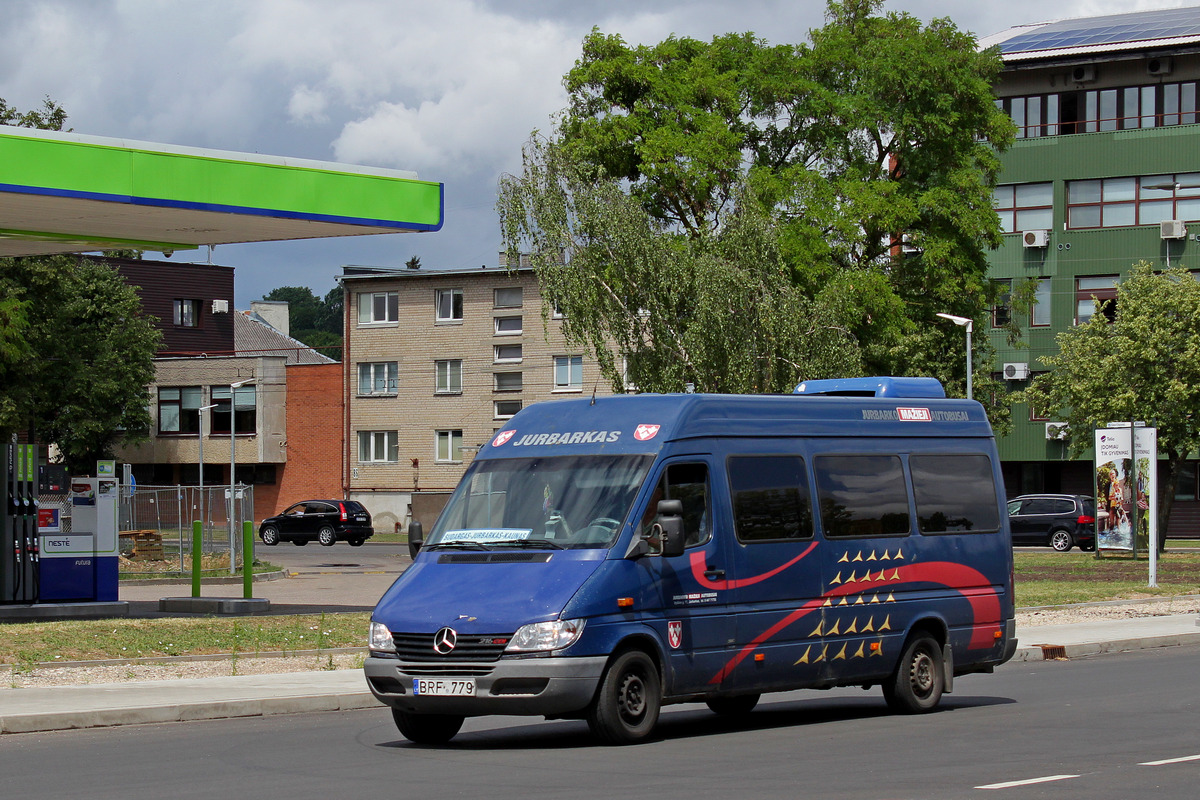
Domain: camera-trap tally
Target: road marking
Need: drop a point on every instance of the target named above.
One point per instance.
(1028, 782)
(1168, 761)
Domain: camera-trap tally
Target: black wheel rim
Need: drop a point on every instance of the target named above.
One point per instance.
(631, 699)
(921, 675)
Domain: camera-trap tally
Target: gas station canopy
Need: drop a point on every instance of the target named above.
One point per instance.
(68, 193)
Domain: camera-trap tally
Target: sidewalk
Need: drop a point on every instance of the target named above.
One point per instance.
(67, 707)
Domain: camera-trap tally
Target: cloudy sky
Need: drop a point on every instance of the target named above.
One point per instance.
(449, 88)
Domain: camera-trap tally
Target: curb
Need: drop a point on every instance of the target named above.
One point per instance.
(256, 578)
(1059, 652)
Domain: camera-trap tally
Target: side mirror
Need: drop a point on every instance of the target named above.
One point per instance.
(416, 538)
(670, 513)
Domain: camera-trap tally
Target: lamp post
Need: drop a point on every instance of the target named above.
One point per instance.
(233, 387)
(969, 324)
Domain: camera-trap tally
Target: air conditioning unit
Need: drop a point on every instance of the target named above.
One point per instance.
(1085, 74)
(1159, 66)
(220, 306)
(1017, 371)
(1172, 229)
(1056, 431)
(1035, 238)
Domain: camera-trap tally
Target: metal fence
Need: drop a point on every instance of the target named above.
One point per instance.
(171, 510)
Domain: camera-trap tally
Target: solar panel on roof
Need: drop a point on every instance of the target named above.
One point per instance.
(1112, 29)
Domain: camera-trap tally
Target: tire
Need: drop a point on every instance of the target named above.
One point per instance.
(356, 542)
(427, 728)
(627, 704)
(736, 706)
(269, 536)
(299, 542)
(326, 536)
(916, 685)
(1061, 541)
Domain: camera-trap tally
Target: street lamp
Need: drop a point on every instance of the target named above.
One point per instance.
(233, 387)
(969, 324)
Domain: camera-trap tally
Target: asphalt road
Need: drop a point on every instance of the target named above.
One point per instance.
(340, 558)
(1101, 721)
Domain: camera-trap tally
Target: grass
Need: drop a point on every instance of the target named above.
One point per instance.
(1042, 579)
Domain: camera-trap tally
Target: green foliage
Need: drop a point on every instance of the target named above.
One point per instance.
(51, 117)
(317, 322)
(1144, 365)
(766, 182)
(76, 370)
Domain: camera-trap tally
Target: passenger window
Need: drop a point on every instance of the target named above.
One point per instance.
(862, 496)
(770, 498)
(687, 483)
(954, 493)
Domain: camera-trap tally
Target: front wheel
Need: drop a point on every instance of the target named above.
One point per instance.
(270, 536)
(1060, 541)
(626, 706)
(427, 728)
(916, 685)
(326, 536)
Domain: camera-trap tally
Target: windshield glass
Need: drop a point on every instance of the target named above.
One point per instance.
(559, 502)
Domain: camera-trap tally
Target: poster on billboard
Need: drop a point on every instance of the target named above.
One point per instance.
(1126, 484)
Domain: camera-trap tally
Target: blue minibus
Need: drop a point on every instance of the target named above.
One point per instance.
(603, 557)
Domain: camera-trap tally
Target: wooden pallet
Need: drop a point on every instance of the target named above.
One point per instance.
(147, 545)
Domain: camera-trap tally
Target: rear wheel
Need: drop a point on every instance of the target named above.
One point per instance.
(1060, 541)
(427, 728)
(916, 685)
(270, 536)
(733, 706)
(326, 536)
(626, 707)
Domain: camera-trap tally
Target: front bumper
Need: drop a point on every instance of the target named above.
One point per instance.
(522, 686)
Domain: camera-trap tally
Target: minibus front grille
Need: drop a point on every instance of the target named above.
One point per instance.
(476, 647)
(455, 670)
(494, 558)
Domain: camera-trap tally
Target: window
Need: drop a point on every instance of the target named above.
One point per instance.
(1039, 315)
(449, 376)
(377, 377)
(179, 409)
(770, 498)
(507, 353)
(1096, 294)
(1024, 206)
(1002, 311)
(187, 313)
(687, 483)
(378, 447)
(507, 381)
(508, 297)
(1145, 200)
(378, 307)
(1185, 481)
(568, 373)
(861, 496)
(449, 305)
(1088, 111)
(508, 326)
(449, 446)
(954, 493)
(245, 417)
(506, 408)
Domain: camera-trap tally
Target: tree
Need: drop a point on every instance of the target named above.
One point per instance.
(78, 375)
(1143, 365)
(51, 117)
(317, 322)
(878, 127)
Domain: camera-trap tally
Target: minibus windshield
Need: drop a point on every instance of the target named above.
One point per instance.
(557, 502)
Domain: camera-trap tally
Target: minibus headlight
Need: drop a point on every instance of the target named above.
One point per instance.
(380, 639)
(553, 635)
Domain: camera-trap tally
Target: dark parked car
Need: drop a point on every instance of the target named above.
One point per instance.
(326, 521)
(1060, 521)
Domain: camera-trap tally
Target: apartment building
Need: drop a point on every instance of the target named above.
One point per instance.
(1105, 172)
(436, 361)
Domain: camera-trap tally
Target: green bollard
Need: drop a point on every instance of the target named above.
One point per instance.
(247, 559)
(196, 541)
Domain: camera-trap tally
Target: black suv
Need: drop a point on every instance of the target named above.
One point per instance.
(1057, 520)
(326, 521)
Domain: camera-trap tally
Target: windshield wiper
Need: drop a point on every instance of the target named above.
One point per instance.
(537, 544)
(462, 545)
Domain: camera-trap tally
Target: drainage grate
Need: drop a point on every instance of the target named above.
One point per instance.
(1053, 652)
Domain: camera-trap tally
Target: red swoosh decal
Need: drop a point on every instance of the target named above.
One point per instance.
(985, 604)
(699, 564)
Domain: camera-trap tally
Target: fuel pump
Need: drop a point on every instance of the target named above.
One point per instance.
(19, 548)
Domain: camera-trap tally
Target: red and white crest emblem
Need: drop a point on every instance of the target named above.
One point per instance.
(645, 432)
(502, 437)
(674, 633)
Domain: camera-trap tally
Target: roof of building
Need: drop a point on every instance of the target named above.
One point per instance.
(359, 273)
(1138, 30)
(252, 336)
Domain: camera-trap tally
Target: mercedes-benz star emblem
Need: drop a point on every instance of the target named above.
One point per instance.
(444, 641)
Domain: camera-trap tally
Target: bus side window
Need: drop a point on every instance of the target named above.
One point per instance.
(689, 484)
